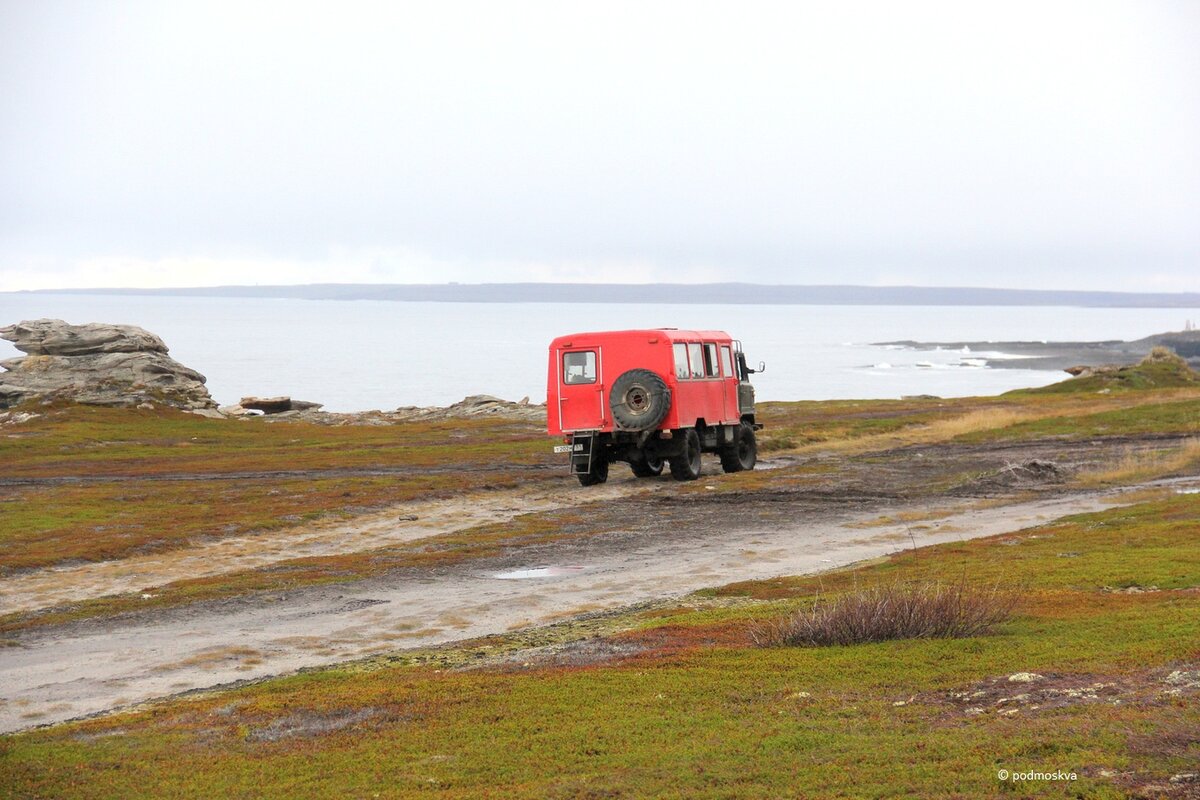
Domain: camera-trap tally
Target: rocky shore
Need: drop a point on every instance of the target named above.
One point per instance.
(282, 409)
(124, 365)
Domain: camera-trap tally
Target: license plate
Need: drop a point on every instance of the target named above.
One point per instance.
(562, 448)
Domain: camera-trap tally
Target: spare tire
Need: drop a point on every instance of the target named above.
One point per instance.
(639, 400)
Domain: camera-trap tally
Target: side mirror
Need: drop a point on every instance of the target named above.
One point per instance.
(762, 367)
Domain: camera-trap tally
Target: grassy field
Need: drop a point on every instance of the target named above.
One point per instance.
(680, 704)
(1097, 674)
(161, 479)
(107, 442)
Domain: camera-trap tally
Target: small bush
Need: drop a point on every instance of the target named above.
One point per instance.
(924, 611)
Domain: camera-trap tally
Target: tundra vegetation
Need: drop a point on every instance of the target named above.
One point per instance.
(1095, 670)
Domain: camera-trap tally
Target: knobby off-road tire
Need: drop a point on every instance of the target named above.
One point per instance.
(639, 400)
(646, 466)
(687, 466)
(597, 475)
(743, 454)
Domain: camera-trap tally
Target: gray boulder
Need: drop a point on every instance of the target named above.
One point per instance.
(96, 364)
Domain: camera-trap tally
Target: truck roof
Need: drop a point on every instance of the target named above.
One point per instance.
(670, 334)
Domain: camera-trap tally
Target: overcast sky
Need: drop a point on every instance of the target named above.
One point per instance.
(1032, 145)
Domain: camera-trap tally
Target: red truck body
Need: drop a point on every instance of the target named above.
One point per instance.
(648, 396)
(578, 402)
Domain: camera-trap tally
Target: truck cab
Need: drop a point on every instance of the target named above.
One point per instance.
(651, 398)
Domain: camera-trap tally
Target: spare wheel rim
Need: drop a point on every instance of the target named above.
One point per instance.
(637, 400)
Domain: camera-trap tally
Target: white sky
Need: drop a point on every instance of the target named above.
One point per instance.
(1019, 144)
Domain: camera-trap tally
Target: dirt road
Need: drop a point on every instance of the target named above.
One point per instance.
(45, 588)
(67, 672)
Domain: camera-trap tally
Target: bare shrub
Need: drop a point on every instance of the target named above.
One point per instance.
(895, 611)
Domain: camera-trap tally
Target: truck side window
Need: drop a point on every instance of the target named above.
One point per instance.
(579, 367)
(681, 365)
(711, 368)
(697, 359)
(726, 362)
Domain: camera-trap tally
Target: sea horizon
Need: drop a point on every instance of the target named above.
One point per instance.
(382, 354)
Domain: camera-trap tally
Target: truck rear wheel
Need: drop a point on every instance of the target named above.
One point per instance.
(645, 465)
(686, 467)
(743, 454)
(639, 400)
(597, 474)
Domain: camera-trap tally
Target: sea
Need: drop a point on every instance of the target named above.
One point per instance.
(356, 355)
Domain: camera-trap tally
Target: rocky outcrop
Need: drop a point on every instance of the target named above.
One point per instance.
(477, 405)
(96, 364)
(273, 410)
(274, 405)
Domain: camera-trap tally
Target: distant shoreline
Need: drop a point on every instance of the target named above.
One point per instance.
(670, 294)
(1063, 355)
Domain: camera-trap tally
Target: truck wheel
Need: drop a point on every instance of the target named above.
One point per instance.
(639, 400)
(687, 466)
(646, 465)
(598, 474)
(744, 454)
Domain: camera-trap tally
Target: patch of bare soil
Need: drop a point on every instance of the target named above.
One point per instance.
(1030, 692)
(307, 724)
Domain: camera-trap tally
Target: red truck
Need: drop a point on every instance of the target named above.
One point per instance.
(649, 397)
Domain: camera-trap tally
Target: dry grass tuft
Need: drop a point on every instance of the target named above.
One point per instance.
(895, 611)
(975, 421)
(942, 430)
(1138, 465)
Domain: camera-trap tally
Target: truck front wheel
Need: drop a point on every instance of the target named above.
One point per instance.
(743, 454)
(686, 467)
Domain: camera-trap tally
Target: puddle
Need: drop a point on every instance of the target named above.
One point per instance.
(538, 572)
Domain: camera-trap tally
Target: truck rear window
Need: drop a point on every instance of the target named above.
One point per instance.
(579, 367)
